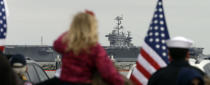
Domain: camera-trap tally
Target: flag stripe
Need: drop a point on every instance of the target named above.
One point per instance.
(2, 48)
(139, 76)
(154, 55)
(135, 81)
(143, 70)
(149, 59)
(145, 64)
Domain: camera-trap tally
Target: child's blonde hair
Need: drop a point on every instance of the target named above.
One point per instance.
(82, 33)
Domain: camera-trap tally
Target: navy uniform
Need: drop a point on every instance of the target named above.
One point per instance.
(179, 53)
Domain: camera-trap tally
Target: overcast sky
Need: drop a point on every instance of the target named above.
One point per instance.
(30, 19)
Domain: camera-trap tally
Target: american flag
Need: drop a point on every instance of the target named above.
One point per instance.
(153, 53)
(3, 24)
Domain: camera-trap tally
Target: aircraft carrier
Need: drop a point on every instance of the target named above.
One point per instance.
(120, 49)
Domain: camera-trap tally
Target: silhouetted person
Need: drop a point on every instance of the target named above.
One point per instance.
(8, 77)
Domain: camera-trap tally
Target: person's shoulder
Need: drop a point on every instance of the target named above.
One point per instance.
(96, 46)
(156, 76)
(160, 71)
(197, 69)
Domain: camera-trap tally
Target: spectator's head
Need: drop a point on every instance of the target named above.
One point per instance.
(179, 47)
(82, 33)
(189, 76)
(18, 63)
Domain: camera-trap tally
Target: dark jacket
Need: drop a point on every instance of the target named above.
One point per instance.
(57, 81)
(187, 75)
(52, 81)
(169, 74)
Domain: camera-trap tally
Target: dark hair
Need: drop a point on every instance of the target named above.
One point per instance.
(178, 53)
(17, 58)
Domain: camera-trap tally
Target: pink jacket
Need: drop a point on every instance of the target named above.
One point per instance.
(79, 69)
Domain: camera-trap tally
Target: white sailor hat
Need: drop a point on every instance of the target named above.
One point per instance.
(179, 42)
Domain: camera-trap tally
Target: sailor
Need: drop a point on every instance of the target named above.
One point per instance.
(179, 53)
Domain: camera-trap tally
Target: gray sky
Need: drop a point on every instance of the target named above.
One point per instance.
(30, 19)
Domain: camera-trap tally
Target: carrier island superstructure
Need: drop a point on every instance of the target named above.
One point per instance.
(121, 47)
